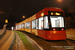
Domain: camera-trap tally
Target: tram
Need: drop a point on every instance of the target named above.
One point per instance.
(49, 24)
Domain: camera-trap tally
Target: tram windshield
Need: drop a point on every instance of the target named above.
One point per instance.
(57, 21)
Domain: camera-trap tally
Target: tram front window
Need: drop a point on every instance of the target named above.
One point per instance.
(57, 21)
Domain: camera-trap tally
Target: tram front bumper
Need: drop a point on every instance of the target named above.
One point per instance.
(56, 35)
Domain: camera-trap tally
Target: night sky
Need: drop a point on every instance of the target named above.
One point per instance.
(13, 10)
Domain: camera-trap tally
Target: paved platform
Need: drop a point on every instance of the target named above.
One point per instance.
(1, 31)
(6, 40)
(70, 34)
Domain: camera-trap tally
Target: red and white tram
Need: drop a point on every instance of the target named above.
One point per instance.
(48, 24)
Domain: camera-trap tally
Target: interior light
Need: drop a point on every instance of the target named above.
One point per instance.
(51, 13)
(57, 13)
(54, 29)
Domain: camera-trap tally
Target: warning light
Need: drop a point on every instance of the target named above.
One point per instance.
(51, 13)
(42, 14)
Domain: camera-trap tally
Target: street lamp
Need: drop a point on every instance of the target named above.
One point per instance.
(6, 20)
(23, 16)
(59, 0)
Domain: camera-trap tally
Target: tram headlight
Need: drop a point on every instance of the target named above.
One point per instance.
(62, 29)
(54, 29)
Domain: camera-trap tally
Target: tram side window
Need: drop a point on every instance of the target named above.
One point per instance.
(16, 26)
(27, 25)
(46, 24)
(19, 26)
(23, 25)
(34, 24)
(37, 23)
(41, 23)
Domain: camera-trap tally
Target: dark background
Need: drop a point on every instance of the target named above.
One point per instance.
(13, 10)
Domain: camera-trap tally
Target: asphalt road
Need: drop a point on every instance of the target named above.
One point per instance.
(6, 40)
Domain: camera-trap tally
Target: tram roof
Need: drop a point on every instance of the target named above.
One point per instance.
(50, 9)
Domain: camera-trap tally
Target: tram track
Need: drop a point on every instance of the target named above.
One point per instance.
(71, 42)
(50, 44)
(18, 44)
(63, 44)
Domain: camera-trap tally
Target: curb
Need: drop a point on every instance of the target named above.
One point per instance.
(10, 48)
(33, 41)
(3, 34)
